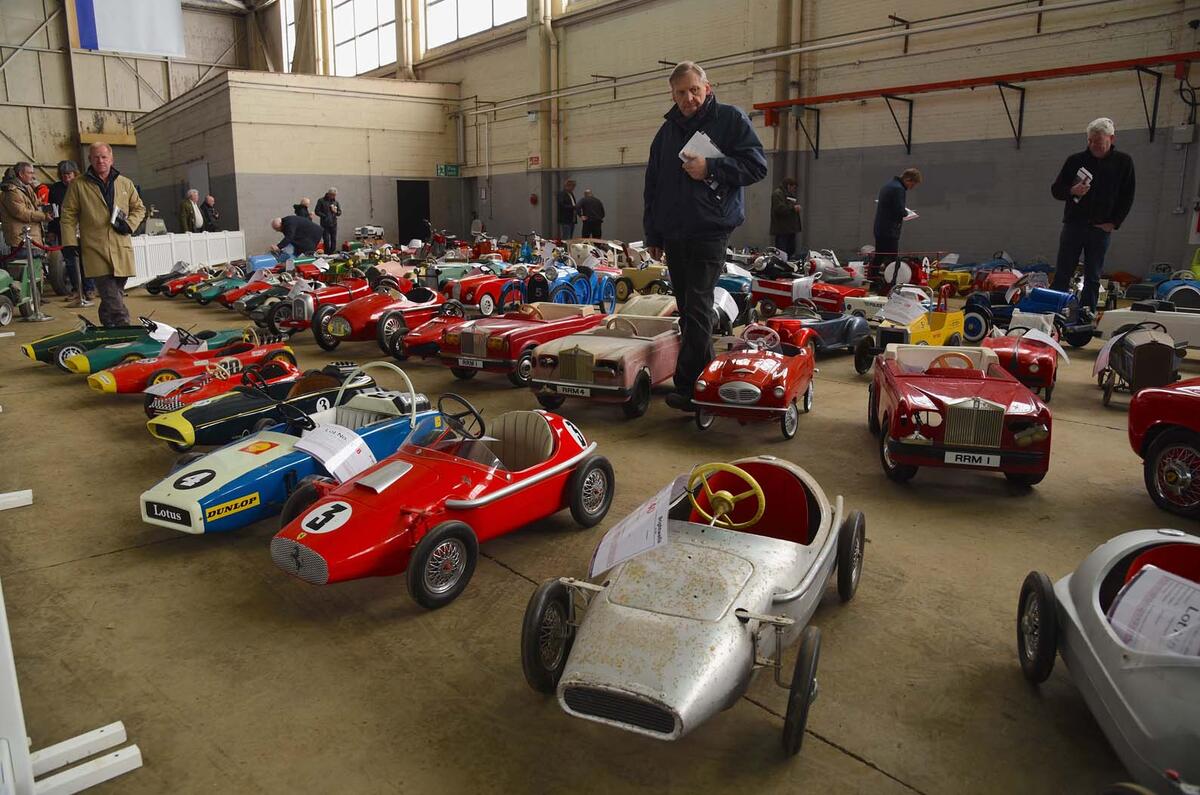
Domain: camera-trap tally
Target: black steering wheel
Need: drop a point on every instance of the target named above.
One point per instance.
(295, 418)
(472, 430)
(188, 338)
(146, 322)
(1150, 324)
(453, 308)
(252, 377)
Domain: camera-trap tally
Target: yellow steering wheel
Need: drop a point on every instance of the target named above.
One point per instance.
(250, 334)
(721, 501)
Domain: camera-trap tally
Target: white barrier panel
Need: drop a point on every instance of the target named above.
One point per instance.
(154, 255)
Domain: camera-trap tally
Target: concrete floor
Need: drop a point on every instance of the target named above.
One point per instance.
(233, 677)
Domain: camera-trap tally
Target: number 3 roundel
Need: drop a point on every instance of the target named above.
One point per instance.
(326, 517)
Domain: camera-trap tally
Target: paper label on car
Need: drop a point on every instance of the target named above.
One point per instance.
(1158, 611)
(640, 531)
(1102, 357)
(733, 269)
(802, 287)
(724, 304)
(260, 275)
(973, 459)
(326, 517)
(901, 309)
(471, 363)
(231, 507)
(160, 389)
(342, 451)
(1037, 335)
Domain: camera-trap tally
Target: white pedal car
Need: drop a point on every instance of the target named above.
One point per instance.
(1182, 324)
(673, 636)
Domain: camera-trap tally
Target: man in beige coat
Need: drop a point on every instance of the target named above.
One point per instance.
(99, 214)
(19, 208)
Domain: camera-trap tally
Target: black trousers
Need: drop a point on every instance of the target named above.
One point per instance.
(591, 228)
(786, 243)
(1092, 243)
(695, 266)
(886, 249)
(329, 238)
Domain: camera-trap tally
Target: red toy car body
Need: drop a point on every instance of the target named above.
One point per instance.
(375, 316)
(774, 294)
(758, 378)
(1032, 362)
(297, 313)
(995, 279)
(175, 287)
(424, 339)
(135, 376)
(1164, 429)
(449, 488)
(505, 344)
(218, 381)
(480, 291)
(931, 409)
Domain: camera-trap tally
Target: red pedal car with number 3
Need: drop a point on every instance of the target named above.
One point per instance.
(375, 316)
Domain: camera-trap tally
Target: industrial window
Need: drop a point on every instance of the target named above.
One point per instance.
(364, 35)
(448, 20)
(288, 9)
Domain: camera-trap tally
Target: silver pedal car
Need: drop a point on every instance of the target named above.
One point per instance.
(674, 635)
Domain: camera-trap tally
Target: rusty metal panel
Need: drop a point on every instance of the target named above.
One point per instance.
(121, 84)
(52, 135)
(56, 79)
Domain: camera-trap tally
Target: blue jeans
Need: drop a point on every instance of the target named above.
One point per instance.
(566, 231)
(1092, 243)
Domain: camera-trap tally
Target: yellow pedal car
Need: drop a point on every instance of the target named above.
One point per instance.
(650, 279)
(941, 326)
(961, 281)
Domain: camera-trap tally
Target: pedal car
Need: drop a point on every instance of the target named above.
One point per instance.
(505, 343)
(175, 286)
(150, 344)
(1141, 681)
(480, 292)
(253, 477)
(825, 262)
(669, 638)
(155, 284)
(1033, 362)
(217, 380)
(205, 292)
(424, 339)
(982, 313)
(593, 286)
(297, 313)
(57, 348)
(449, 487)
(995, 278)
(262, 280)
(1164, 430)
(1137, 358)
(955, 407)
(649, 277)
(192, 357)
(758, 378)
(962, 282)
(771, 295)
(616, 362)
(375, 316)
(828, 331)
(1181, 323)
(869, 306)
(940, 326)
(1182, 289)
(254, 407)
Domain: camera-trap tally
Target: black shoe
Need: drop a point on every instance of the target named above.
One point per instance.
(678, 400)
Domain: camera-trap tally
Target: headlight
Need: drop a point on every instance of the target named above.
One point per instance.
(451, 338)
(338, 327)
(1033, 368)
(701, 385)
(497, 343)
(779, 392)
(929, 418)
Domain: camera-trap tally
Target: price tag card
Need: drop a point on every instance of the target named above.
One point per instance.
(802, 287)
(733, 269)
(1102, 357)
(1038, 335)
(640, 531)
(341, 450)
(901, 309)
(1158, 611)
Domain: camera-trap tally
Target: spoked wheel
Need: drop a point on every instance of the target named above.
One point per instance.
(852, 543)
(807, 403)
(591, 491)
(320, 328)
(704, 419)
(803, 691)
(624, 289)
(276, 315)
(1037, 627)
(1172, 472)
(789, 420)
(66, 352)
(389, 325)
(6, 310)
(546, 636)
(442, 564)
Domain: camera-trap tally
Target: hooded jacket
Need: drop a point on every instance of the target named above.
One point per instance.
(677, 207)
(19, 208)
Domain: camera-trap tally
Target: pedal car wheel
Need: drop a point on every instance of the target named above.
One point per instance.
(203, 300)
(1100, 377)
(389, 325)
(1047, 391)
(280, 356)
(852, 544)
(266, 423)
(639, 399)
(278, 313)
(61, 355)
(184, 460)
(1172, 472)
(955, 340)
(624, 289)
(658, 287)
(320, 328)
(523, 370)
(1037, 627)
(396, 348)
(546, 636)
(900, 473)
(562, 294)
(442, 564)
(807, 404)
(56, 272)
(789, 420)
(803, 691)
(298, 501)
(704, 419)
(551, 402)
(872, 410)
(591, 491)
(163, 376)
(863, 359)
(1110, 386)
(487, 305)
(767, 308)
(463, 373)
(6, 310)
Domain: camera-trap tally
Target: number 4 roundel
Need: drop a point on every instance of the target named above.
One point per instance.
(326, 517)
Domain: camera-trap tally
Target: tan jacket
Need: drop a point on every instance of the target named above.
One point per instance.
(85, 223)
(188, 215)
(19, 208)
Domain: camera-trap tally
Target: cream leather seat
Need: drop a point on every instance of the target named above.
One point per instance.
(520, 439)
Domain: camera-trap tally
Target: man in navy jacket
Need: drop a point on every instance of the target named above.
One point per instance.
(890, 209)
(692, 204)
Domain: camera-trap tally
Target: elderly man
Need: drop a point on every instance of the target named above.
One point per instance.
(328, 210)
(692, 203)
(190, 217)
(67, 172)
(591, 212)
(301, 209)
(568, 210)
(1097, 188)
(300, 236)
(20, 208)
(211, 214)
(99, 213)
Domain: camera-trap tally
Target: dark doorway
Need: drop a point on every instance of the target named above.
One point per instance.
(412, 208)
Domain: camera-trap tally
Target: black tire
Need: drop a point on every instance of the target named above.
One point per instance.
(203, 300)
(153, 287)
(450, 543)
(955, 340)
(299, 501)
(658, 287)
(1078, 339)
(977, 322)
(625, 289)
(789, 421)
(724, 325)
(803, 690)
(852, 547)
(590, 491)
(1024, 478)
(872, 410)
(463, 373)
(320, 328)
(184, 460)
(513, 295)
(6, 310)
(1110, 386)
(899, 473)
(279, 311)
(639, 399)
(863, 355)
(66, 352)
(1037, 627)
(704, 419)
(551, 402)
(390, 324)
(1171, 439)
(523, 369)
(563, 294)
(1047, 392)
(26, 308)
(264, 424)
(546, 636)
(56, 273)
(767, 308)
(396, 348)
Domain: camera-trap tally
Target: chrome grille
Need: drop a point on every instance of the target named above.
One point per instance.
(472, 344)
(974, 423)
(887, 336)
(299, 561)
(739, 392)
(575, 364)
(619, 708)
(300, 309)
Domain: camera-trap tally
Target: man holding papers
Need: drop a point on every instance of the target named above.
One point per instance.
(700, 160)
(890, 214)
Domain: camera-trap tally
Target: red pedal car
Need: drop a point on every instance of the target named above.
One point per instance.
(175, 287)
(479, 291)
(175, 363)
(995, 279)
(771, 295)
(1033, 362)
(423, 340)
(450, 487)
(1164, 429)
(296, 313)
(219, 380)
(375, 316)
(955, 407)
(505, 344)
(758, 378)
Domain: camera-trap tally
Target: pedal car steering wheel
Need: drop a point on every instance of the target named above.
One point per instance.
(760, 337)
(146, 322)
(252, 377)
(953, 356)
(721, 501)
(188, 338)
(250, 334)
(453, 308)
(217, 370)
(529, 311)
(295, 417)
(475, 429)
(617, 320)
(1187, 276)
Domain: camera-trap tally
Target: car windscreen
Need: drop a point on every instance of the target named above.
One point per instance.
(436, 434)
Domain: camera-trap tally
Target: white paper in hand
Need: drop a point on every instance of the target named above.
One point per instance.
(640, 531)
(342, 451)
(699, 145)
(910, 215)
(901, 309)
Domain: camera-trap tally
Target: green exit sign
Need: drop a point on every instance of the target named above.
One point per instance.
(447, 169)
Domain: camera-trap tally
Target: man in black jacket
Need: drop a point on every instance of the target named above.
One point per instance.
(328, 210)
(300, 236)
(890, 208)
(591, 212)
(568, 210)
(692, 204)
(1097, 185)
